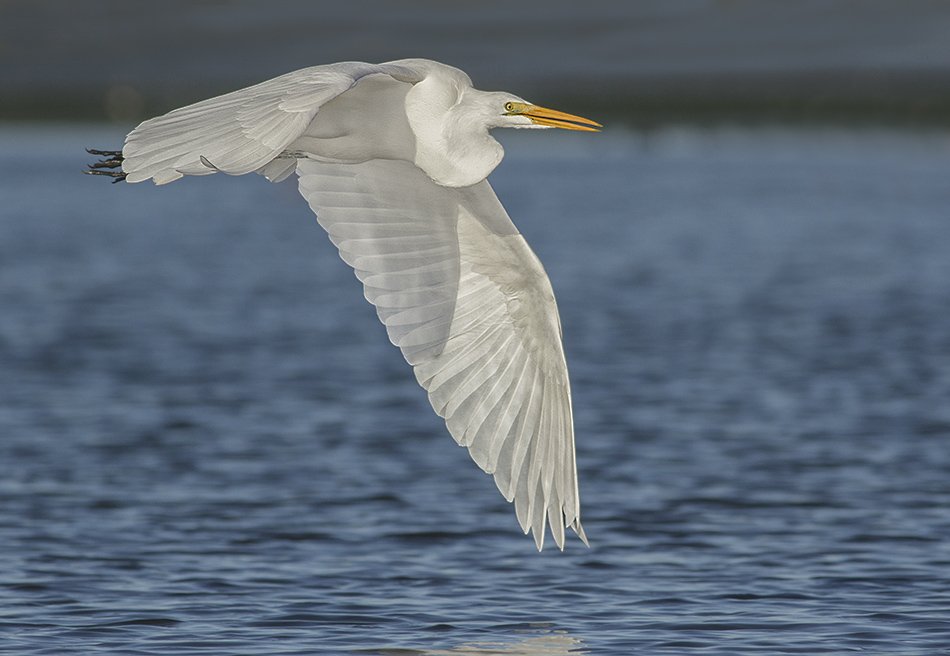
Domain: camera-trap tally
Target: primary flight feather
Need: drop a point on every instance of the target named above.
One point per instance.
(393, 159)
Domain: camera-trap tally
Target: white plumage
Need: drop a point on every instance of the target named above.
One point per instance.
(393, 158)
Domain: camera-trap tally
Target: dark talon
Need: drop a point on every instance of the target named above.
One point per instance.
(119, 176)
(111, 153)
(111, 159)
(106, 164)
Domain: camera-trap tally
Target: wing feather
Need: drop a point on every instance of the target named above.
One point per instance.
(245, 130)
(479, 432)
(371, 203)
(504, 415)
(472, 310)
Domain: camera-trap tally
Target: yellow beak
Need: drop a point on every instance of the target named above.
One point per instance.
(555, 119)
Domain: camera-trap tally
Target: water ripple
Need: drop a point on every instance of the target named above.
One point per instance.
(209, 447)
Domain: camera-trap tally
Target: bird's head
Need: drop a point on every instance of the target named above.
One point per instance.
(459, 140)
(516, 113)
(497, 109)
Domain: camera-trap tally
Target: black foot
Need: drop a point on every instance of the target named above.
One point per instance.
(111, 159)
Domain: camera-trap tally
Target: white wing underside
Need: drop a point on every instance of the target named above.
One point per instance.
(457, 287)
(472, 310)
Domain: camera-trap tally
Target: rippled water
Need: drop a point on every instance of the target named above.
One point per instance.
(207, 445)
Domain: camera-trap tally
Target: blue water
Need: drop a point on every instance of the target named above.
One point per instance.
(207, 445)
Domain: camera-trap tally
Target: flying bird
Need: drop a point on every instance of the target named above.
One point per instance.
(393, 159)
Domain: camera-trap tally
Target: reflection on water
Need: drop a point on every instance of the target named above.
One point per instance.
(208, 446)
(556, 643)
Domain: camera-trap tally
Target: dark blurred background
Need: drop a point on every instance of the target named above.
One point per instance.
(851, 60)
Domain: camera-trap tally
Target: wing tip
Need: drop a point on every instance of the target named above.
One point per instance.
(579, 530)
(561, 541)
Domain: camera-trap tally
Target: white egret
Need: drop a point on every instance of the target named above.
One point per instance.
(393, 159)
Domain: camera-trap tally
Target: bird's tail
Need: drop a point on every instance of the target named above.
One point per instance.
(109, 164)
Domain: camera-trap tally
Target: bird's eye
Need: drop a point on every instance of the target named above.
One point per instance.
(509, 106)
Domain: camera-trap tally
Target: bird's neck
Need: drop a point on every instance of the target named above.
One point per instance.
(454, 148)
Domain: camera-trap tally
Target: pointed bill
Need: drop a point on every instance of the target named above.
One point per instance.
(557, 119)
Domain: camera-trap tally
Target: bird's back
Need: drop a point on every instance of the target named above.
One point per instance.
(368, 121)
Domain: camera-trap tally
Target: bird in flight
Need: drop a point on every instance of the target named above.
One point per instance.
(393, 159)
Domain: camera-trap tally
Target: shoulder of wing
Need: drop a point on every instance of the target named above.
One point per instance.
(416, 70)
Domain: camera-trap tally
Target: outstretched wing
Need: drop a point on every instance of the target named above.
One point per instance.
(470, 306)
(245, 130)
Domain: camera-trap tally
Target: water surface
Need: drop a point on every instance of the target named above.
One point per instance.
(207, 445)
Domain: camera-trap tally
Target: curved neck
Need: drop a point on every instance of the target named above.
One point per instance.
(453, 145)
